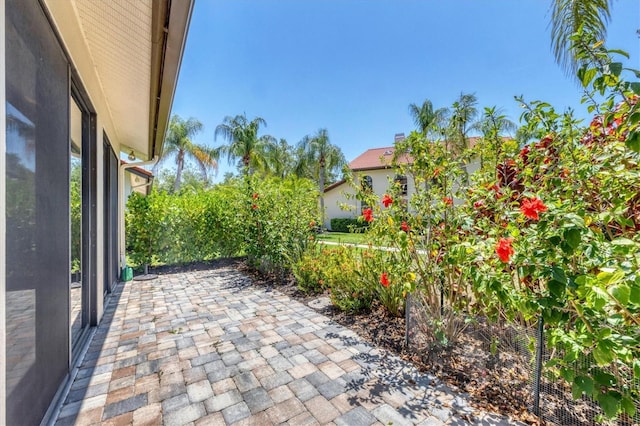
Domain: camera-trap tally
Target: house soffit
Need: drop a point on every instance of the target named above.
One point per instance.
(118, 37)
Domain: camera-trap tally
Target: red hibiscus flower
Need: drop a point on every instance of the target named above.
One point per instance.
(368, 215)
(504, 249)
(387, 200)
(531, 207)
(254, 206)
(255, 196)
(448, 201)
(405, 227)
(478, 204)
(384, 279)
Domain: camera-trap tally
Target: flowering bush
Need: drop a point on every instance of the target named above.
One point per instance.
(545, 231)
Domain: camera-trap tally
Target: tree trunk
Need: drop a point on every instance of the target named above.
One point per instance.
(246, 160)
(321, 184)
(176, 184)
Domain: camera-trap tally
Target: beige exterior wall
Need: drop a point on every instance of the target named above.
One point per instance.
(334, 199)
(65, 19)
(134, 182)
(344, 195)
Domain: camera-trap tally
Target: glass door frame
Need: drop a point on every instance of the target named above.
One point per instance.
(89, 215)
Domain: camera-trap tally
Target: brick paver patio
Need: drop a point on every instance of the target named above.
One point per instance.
(206, 348)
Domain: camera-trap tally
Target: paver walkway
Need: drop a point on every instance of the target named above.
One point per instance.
(206, 348)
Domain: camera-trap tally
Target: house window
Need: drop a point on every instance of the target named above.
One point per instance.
(367, 188)
(401, 182)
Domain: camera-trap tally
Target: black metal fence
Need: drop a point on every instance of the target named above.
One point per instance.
(516, 356)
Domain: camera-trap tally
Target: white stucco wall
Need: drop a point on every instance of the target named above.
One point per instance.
(336, 197)
(344, 194)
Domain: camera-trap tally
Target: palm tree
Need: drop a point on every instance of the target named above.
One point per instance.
(493, 126)
(279, 158)
(179, 142)
(463, 118)
(426, 119)
(464, 114)
(567, 17)
(244, 144)
(321, 156)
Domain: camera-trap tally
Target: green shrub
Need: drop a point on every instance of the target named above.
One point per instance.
(347, 224)
(340, 272)
(308, 272)
(269, 220)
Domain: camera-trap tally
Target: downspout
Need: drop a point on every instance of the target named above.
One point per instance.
(123, 202)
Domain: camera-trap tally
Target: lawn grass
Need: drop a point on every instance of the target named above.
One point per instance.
(343, 237)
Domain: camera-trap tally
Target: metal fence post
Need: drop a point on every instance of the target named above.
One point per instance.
(537, 374)
(407, 319)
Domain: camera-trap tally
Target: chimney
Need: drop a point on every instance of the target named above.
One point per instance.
(399, 137)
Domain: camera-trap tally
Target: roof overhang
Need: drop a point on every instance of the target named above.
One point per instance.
(126, 54)
(169, 31)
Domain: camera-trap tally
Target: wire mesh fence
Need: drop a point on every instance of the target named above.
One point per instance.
(516, 357)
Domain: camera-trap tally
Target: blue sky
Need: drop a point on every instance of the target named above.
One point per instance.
(354, 66)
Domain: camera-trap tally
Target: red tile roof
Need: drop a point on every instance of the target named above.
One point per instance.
(334, 185)
(138, 170)
(381, 158)
(377, 158)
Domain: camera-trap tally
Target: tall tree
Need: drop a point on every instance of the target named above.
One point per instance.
(279, 158)
(464, 113)
(494, 126)
(179, 142)
(567, 17)
(321, 156)
(426, 119)
(244, 144)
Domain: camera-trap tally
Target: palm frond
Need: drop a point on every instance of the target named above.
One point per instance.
(567, 17)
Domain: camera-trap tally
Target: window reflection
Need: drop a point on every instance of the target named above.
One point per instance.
(21, 237)
(75, 198)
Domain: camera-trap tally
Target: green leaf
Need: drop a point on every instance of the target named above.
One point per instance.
(603, 378)
(609, 403)
(610, 278)
(621, 292)
(603, 355)
(628, 406)
(586, 75)
(633, 141)
(623, 242)
(558, 274)
(635, 117)
(581, 385)
(634, 296)
(556, 288)
(615, 68)
(636, 368)
(635, 86)
(572, 237)
(619, 52)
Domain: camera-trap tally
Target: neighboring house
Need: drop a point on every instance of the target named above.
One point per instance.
(81, 82)
(373, 169)
(137, 179)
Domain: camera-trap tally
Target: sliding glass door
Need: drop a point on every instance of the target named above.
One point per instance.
(37, 213)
